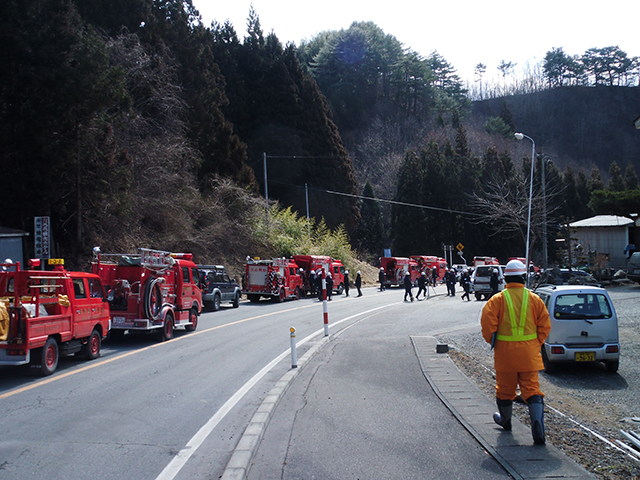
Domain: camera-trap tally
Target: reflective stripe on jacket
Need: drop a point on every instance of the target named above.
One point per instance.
(523, 354)
(518, 330)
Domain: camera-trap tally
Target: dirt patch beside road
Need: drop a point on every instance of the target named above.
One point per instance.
(602, 402)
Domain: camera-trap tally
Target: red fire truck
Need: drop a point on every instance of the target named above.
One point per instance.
(150, 291)
(477, 261)
(427, 263)
(48, 313)
(319, 263)
(277, 279)
(395, 268)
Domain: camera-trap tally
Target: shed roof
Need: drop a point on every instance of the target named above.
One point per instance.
(12, 232)
(603, 221)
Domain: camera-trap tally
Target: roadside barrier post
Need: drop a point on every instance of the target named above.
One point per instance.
(294, 352)
(325, 307)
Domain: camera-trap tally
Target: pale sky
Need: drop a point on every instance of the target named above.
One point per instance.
(464, 32)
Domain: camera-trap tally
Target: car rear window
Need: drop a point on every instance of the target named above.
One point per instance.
(579, 306)
(484, 271)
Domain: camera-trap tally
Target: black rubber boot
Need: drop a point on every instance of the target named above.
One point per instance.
(536, 412)
(503, 416)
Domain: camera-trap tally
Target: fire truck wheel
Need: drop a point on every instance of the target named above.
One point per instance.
(152, 300)
(193, 318)
(216, 302)
(49, 360)
(167, 329)
(478, 296)
(298, 293)
(92, 348)
(236, 300)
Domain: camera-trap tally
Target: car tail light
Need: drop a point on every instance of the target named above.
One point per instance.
(557, 350)
(612, 349)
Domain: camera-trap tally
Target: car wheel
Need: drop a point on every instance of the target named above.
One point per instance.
(193, 318)
(549, 367)
(612, 365)
(167, 329)
(478, 296)
(92, 348)
(216, 302)
(236, 300)
(49, 357)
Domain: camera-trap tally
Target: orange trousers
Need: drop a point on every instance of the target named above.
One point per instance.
(506, 383)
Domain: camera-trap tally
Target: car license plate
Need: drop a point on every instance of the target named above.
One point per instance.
(585, 356)
(119, 320)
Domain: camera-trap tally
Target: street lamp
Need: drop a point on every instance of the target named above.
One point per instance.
(520, 136)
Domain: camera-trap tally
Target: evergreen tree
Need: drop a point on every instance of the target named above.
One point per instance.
(595, 180)
(370, 227)
(630, 177)
(616, 183)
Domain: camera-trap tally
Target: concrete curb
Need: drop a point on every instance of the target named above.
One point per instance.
(244, 453)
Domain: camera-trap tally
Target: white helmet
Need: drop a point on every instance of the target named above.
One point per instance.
(382, 269)
(407, 273)
(515, 268)
(346, 272)
(423, 273)
(358, 272)
(313, 272)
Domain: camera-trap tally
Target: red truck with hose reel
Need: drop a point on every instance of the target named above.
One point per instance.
(151, 291)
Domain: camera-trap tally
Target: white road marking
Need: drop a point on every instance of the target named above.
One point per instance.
(176, 464)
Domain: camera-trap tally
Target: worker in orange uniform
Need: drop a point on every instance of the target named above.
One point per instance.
(516, 322)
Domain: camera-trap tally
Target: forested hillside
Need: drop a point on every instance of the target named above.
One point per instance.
(130, 123)
(121, 120)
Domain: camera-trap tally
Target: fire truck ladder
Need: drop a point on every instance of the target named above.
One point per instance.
(156, 259)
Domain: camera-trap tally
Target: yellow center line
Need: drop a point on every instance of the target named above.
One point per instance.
(140, 350)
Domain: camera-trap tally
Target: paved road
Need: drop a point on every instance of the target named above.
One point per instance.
(178, 409)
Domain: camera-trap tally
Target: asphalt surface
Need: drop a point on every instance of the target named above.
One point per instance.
(371, 402)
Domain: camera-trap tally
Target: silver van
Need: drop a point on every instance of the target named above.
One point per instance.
(584, 326)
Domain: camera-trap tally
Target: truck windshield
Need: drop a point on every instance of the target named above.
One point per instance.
(581, 306)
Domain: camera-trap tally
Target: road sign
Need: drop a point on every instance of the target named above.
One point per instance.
(460, 247)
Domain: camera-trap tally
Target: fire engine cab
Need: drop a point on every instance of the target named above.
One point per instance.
(151, 291)
(48, 313)
(319, 263)
(277, 279)
(395, 268)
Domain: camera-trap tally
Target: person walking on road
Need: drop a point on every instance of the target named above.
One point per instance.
(465, 282)
(358, 283)
(329, 281)
(407, 286)
(494, 282)
(422, 285)
(381, 278)
(516, 323)
(434, 276)
(346, 283)
(450, 279)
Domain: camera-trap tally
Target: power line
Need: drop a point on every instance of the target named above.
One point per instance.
(395, 202)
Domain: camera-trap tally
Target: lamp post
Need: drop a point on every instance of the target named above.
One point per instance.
(520, 136)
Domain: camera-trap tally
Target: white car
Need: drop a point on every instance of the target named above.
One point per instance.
(584, 326)
(481, 278)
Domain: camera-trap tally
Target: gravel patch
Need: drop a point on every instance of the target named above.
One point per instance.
(602, 402)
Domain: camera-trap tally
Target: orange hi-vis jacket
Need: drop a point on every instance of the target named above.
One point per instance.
(521, 320)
